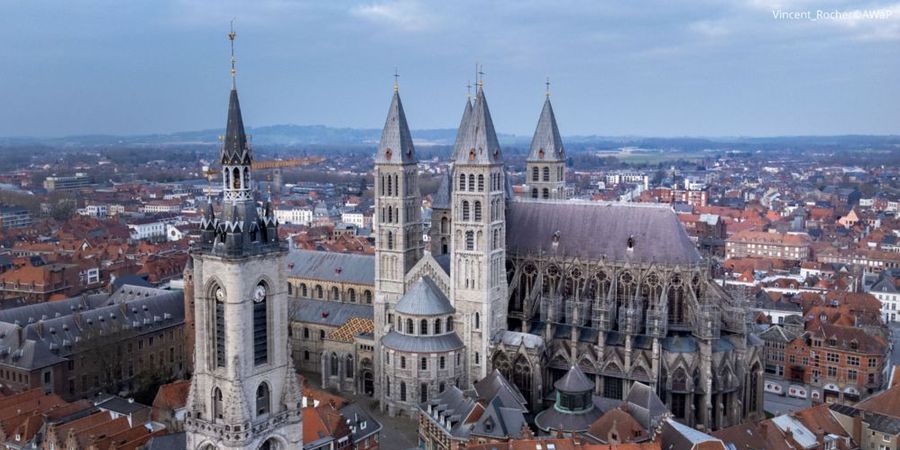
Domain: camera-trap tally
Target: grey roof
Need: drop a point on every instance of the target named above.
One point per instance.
(235, 150)
(680, 344)
(574, 381)
(479, 144)
(325, 312)
(676, 436)
(422, 344)
(332, 266)
(396, 146)
(546, 145)
(451, 404)
(120, 405)
(555, 419)
(168, 441)
(461, 131)
(882, 423)
(498, 421)
(645, 406)
(361, 423)
(599, 230)
(885, 284)
(424, 298)
(441, 198)
(496, 385)
(516, 338)
(50, 337)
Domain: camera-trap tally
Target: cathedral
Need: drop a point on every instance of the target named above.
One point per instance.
(536, 285)
(244, 392)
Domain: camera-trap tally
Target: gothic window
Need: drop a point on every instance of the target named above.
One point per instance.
(389, 186)
(218, 408)
(522, 375)
(477, 321)
(495, 244)
(402, 391)
(546, 193)
(423, 327)
(335, 293)
(534, 174)
(480, 183)
(423, 393)
(423, 364)
(612, 388)
(546, 173)
(352, 294)
(477, 211)
(236, 179)
(534, 192)
(444, 249)
(437, 326)
(368, 296)
(409, 327)
(334, 364)
(348, 366)
(462, 182)
(470, 240)
(445, 225)
(227, 177)
(262, 399)
(220, 327)
(465, 210)
(390, 240)
(246, 184)
(260, 325)
(381, 186)
(472, 182)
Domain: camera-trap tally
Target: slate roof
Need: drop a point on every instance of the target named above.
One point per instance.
(645, 406)
(361, 423)
(396, 146)
(554, 419)
(461, 131)
(479, 143)
(599, 230)
(441, 198)
(168, 441)
(454, 405)
(235, 150)
(516, 338)
(500, 422)
(424, 298)
(494, 385)
(546, 145)
(328, 313)
(421, 344)
(574, 381)
(332, 266)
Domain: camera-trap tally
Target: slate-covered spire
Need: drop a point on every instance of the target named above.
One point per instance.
(396, 146)
(546, 145)
(479, 144)
(461, 131)
(236, 150)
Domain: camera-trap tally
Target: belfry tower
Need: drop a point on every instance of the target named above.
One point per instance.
(244, 393)
(545, 172)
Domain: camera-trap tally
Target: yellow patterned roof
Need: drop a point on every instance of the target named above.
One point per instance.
(351, 328)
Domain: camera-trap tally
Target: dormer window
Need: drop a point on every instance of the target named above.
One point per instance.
(387, 154)
(630, 243)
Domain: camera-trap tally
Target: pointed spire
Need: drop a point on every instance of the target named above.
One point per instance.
(231, 36)
(461, 131)
(546, 145)
(235, 150)
(396, 144)
(479, 144)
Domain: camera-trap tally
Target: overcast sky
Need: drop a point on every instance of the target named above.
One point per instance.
(652, 68)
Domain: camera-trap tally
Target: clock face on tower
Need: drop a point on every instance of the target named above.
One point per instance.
(220, 295)
(259, 294)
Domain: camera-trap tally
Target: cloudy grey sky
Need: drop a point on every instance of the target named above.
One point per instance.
(653, 68)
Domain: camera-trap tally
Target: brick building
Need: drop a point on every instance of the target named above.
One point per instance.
(768, 245)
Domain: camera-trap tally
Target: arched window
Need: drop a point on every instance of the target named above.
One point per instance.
(389, 187)
(445, 225)
(262, 399)
(480, 183)
(348, 367)
(381, 186)
(423, 393)
(442, 362)
(246, 184)
(260, 325)
(219, 328)
(218, 408)
(546, 173)
(534, 191)
(444, 248)
(396, 185)
(477, 211)
(390, 240)
(334, 364)
(409, 327)
(319, 292)
(368, 296)
(402, 391)
(305, 333)
(352, 294)
(462, 181)
(450, 324)
(465, 210)
(423, 327)
(335, 293)
(290, 289)
(303, 292)
(477, 321)
(472, 182)
(227, 178)
(534, 174)
(390, 218)
(470, 240)
(496, 240)
(321, 335)
(546, 193)
(437, 326)
(236, 178)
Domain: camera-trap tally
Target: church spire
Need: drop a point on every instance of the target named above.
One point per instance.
(236, 150)
(396, 144)
(479, 144)
(546, 145)
(463, 126)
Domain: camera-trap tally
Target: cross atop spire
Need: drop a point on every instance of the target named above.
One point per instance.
(480, 75)
(396, 80)
(231, 36)
(469, 90)
(547, 83)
